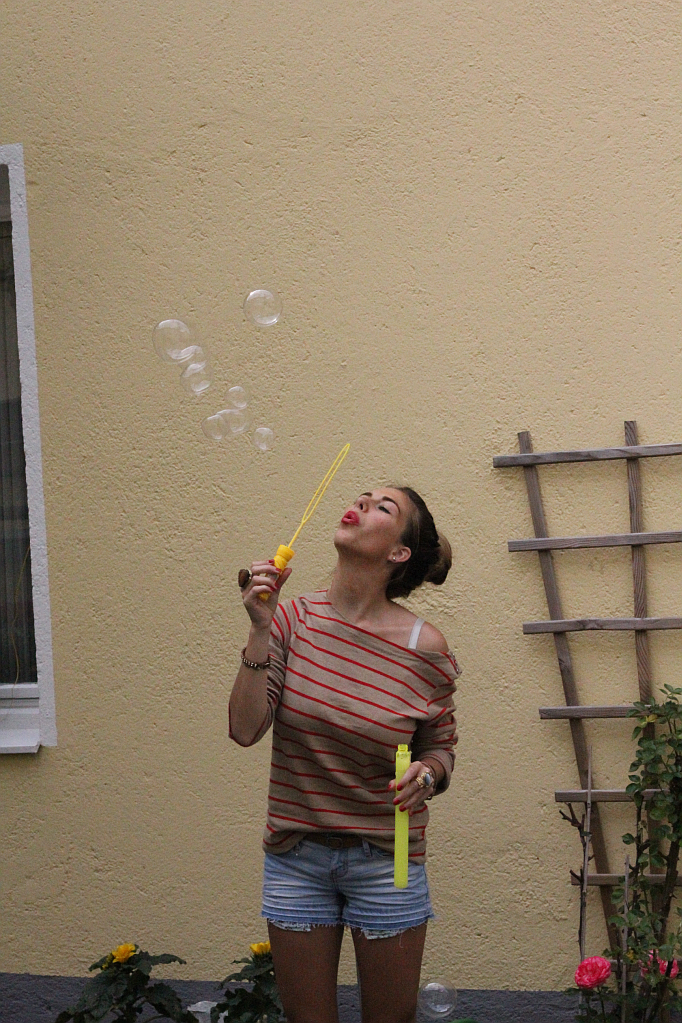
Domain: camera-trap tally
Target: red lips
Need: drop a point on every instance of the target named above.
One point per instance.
(351, 518)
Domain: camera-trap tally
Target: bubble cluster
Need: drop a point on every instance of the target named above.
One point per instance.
(173, 343)
(437, 999)
(223, 425)
(262, 307)
(234, 420)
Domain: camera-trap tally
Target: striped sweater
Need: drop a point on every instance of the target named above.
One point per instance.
(340, 700)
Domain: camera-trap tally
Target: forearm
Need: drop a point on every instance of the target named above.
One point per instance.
(249, 697)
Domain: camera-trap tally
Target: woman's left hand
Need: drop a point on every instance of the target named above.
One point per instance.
(409, 795)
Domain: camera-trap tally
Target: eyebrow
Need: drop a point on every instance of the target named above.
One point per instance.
(368, 493)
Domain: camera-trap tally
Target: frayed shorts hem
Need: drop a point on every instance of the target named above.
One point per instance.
(367, 932)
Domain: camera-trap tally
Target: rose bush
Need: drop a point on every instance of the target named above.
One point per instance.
(662, 966)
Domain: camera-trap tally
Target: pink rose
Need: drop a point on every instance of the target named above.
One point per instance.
(662, 967)
(592, 972)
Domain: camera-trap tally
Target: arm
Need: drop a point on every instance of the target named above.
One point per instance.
(434, 739)
(252, 697)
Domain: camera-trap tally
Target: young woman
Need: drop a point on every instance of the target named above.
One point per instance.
(344, 676)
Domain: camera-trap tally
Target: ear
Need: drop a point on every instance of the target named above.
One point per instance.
(399, 554)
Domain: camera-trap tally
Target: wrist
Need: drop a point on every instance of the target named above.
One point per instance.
(259, 633)
(435, 769)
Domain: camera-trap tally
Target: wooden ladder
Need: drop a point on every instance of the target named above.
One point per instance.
(560, 627)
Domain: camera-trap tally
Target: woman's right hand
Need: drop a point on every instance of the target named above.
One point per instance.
(265, 578)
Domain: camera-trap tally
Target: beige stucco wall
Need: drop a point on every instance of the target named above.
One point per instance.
(472, 214)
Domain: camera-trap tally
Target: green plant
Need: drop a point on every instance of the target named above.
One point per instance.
(646, 961)
(122, 986)
(250, 995)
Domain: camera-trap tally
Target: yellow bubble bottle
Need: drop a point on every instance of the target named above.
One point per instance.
(403, 758)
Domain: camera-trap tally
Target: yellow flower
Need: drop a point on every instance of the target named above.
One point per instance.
(123, 953)
(650, 719)
(260, 948)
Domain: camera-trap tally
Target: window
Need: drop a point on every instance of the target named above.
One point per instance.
(27, 718)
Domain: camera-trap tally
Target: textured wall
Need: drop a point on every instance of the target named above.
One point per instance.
(472, 214)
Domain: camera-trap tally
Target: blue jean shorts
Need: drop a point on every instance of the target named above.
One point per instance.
(312, 885)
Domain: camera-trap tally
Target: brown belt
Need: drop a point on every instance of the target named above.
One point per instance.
(333, 841)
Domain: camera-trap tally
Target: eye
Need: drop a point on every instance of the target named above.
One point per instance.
(381, 508)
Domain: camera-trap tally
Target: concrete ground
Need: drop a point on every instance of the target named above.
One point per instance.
(27, 998)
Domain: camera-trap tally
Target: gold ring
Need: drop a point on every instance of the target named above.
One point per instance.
(244, 578)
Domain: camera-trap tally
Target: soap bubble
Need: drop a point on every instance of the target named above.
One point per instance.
(171, 338)
(231, 422)
(238, 397)
(263, 438)
(237, 421)
(195, 377)
(215, 427)
(437, 999)
(193, 353)
(263, 307)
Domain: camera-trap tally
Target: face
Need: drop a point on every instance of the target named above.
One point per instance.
(374, 524)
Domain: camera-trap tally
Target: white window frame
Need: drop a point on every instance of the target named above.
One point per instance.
(27, 712)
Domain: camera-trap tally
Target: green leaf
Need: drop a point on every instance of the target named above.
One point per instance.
(165, 1000)
(165, 957)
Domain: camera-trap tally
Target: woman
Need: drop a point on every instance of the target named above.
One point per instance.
(344, 676)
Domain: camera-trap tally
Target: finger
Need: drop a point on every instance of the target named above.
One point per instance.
(266, 588)
(410, 774)
(404, 793)
(262, 580)
(264, 568)
(283, 578)
(414, 802)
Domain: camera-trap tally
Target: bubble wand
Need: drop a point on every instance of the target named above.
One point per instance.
(285, 553)
(403, 758)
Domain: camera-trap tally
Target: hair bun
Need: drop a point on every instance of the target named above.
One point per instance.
(438, 572)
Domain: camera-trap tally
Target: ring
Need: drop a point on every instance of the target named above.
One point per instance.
(244, 578)
(422, 782)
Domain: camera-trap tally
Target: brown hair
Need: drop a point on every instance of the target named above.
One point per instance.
(431, 555)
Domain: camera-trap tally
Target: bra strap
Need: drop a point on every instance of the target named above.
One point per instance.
(414, 635)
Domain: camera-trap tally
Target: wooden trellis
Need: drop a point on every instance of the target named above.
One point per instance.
(560, 627)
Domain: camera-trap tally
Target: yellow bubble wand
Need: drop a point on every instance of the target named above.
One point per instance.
(403, 758)
(284, 552)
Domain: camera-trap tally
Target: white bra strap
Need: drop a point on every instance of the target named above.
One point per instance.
(414, 635)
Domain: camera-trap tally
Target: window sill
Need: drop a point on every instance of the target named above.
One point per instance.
(19, 719)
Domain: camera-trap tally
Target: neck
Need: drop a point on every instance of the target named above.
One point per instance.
(358, 589)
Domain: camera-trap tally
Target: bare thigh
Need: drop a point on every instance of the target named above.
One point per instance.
(306, 969)
(388, 969)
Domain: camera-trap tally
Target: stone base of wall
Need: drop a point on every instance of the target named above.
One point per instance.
(28, 998)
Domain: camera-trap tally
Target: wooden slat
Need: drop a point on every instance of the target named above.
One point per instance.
(638, 567)
(599, 795)
(611, 880)
(600, 625)
(592, 455)
(612, 711)
(564, 543)
(563, 652)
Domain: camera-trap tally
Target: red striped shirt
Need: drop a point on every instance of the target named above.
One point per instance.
(340, 699)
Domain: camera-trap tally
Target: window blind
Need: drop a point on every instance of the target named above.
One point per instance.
(17, 637)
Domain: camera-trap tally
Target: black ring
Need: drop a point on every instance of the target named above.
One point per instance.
(244, 578)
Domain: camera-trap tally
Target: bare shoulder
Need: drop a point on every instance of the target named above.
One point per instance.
(431, 639)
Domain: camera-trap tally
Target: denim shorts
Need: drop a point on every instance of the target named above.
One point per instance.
(312, 885)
